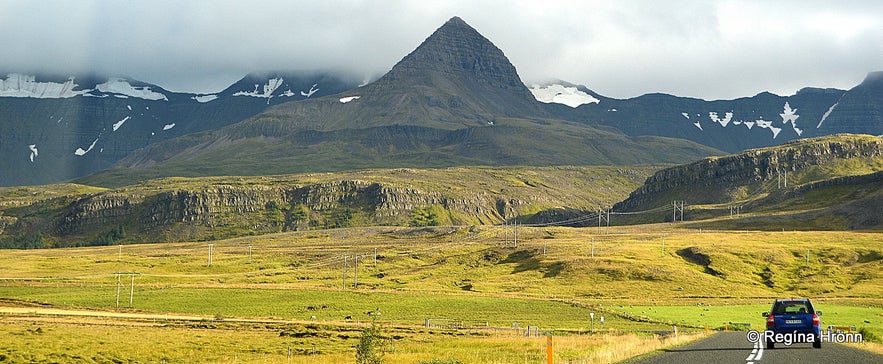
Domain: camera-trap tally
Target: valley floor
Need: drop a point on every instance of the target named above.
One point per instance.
(466, 294)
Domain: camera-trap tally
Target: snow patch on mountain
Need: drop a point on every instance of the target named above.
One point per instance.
(560, 94)
(168, 126)
(686, 115)
(312, 90)
(121, 88)
(18, 85)
(82, 152)
(764, 124)
(827, 113)
(344, 100)
(205, 98)
(715, 118)
(790, 116)
(34, 153)
(266, 92)
(698, 126)
(120, 123)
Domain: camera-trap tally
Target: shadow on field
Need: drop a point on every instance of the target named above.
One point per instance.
(526, 260)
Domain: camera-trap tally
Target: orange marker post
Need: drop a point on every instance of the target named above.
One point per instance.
(549, 356)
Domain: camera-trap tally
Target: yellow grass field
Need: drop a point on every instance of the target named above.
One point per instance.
(443, 293)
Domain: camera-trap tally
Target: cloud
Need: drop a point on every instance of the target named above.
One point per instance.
(697, 48)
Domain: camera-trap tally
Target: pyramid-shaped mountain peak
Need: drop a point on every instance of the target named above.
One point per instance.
(460, 68)
(457, 49)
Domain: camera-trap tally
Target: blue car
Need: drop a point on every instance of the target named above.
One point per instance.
(791, 321)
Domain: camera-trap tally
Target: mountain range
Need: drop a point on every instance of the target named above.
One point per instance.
(455, 100)
(485, 149)
(57, 128)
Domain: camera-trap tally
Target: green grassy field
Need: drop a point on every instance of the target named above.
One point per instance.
(641, 278)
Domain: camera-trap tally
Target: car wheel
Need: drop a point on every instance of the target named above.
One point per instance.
(817, 344)
(770, 344)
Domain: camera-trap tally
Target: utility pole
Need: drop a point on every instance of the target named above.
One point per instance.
(356, 274)
(735, 210)
(593, 247)
(344, 271)
(781, 178)
(375, 258)
(516, 232)
(607, 231)
(599, 221)
(604, 215)
(119, 288)
(249, 254)
(506, 231)
(677, 206)
(211, 248)
(132, 292)
(663, 246)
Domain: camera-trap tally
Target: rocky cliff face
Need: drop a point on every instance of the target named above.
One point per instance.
(713, 180)
(183, 209)
(227, 210)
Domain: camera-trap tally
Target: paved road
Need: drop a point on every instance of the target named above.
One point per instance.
(733, 347)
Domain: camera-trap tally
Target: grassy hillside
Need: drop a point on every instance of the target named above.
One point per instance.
(510, 142)
(829, 183)
(180, 209)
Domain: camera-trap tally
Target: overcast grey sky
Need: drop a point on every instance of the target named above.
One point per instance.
(704, 49)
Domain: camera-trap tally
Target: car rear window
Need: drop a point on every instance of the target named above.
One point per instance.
(792, 307)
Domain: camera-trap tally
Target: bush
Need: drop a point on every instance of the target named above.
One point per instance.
(425, 216)
(867, 335)
(368, 349)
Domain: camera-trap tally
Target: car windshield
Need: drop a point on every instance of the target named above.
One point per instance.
(791, 307)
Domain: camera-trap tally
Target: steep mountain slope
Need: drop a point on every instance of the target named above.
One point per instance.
(57, 128)
(829, 178)
(454, 100)
(859, 110)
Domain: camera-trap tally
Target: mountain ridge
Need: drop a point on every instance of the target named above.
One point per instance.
(56, 128)
(456, 88)
(455, 79)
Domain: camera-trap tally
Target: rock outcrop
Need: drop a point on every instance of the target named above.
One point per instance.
(712, 180)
